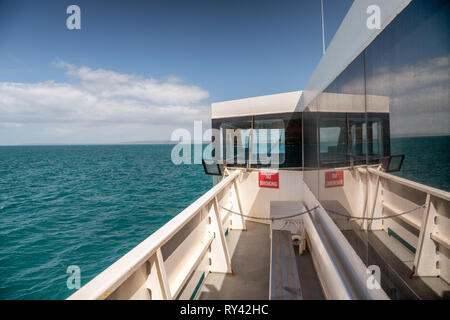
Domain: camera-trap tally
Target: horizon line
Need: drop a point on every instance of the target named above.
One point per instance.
(167, 142)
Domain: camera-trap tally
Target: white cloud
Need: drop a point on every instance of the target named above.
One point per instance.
(100, 98)
(110, 84)
(418, 93)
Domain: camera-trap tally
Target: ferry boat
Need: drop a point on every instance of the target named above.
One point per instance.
(331, 221)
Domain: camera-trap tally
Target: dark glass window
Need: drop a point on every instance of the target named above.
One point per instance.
(357, 133)
(235, 140)
(268, 142)
(333, 139)
(310, 140)
(378, 140)
(264, 140)
(288, 127)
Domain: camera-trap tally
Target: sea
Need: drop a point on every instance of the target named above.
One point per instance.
(86, 206)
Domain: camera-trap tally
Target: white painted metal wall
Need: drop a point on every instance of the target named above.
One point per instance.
(256, 201)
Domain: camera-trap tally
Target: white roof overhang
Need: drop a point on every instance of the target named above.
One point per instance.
(274, 103)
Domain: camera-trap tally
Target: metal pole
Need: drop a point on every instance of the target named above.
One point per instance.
(323, 29)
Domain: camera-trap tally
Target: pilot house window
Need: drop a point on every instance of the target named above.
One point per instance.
(261, 141)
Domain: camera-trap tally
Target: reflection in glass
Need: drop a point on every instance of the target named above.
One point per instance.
(272, 140)
(333, 139)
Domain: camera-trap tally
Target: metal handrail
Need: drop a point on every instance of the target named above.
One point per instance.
(349, 270)
(414, 185)
(112, 277)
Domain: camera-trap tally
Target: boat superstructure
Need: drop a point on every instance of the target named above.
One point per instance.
(316, 212)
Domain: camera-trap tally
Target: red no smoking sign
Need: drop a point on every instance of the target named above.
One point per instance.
(334, 179)
(269, 180)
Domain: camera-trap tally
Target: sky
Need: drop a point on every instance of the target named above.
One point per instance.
(138, 70)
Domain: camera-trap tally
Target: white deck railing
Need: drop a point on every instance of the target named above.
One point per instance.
(173, 260)
(426, 230)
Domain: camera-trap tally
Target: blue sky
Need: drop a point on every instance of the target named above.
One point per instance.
(204, 50)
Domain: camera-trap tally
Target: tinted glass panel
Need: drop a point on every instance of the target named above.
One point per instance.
(267, 140)
(333, 139)
(357, 129)
(211, 168)
(310, 140)
(235, 139)
(408, 64)
(268, 146)
(398, 87)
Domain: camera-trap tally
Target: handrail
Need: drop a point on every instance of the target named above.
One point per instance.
(334, 286)
(415, 185)
(112, 277)
(346, 263)
(352, 268)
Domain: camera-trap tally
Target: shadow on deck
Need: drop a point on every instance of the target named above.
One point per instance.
(250, 261)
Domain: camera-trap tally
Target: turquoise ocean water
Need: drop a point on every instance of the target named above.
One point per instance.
(427, 160)
(89, 205)
(84, 206)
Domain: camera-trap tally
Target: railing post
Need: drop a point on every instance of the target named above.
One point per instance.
(364, 178)
(157, 282)
(237, 221)
(375, 224)
(425, 258)
(364, 223)
(220, 257)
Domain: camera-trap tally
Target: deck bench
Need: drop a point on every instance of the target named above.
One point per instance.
(284, 280)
